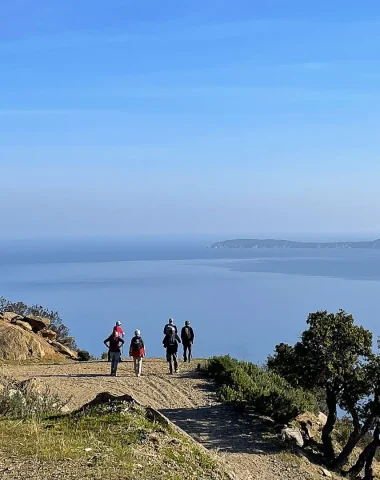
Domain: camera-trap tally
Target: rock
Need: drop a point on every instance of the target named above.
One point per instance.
(88, 449)
(22, 324)
(326, 473)
(18, 344)
(49, 334)
(10, 316)
(322, 418)
(37, 323)
(63, 349)
(65, 409)
(309, 424)
(293, 436)
(32, 385)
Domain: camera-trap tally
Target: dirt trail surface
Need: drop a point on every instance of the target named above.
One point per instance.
(245, 443)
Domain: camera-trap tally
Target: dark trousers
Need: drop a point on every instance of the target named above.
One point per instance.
(171, 357)
(187, 352)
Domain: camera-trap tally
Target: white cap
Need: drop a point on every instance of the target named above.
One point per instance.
(137, 333)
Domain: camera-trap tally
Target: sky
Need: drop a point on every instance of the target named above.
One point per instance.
(125, 117)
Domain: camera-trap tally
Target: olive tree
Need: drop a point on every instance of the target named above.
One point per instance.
(333, 354)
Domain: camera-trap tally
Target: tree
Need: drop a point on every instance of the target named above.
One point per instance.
(57, 325)
(332, 354)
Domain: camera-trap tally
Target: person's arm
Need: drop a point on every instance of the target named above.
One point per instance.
(164, 342)
(192, 335)
(121, 340)
(105, 342)
(178, 339)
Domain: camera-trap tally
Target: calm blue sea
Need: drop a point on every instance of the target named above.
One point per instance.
(240, 302)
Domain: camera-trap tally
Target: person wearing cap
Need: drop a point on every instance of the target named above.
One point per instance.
(169, 325)
(118, 328)
(114, 342)
(171, 342)
(187, 337)
(137, 352)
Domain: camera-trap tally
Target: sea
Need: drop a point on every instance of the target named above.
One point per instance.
(239, 301)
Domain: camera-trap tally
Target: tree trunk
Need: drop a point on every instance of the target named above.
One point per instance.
(353, 440)
(366, 458)
(328, 449)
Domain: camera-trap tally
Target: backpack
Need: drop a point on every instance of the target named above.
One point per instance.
(136, 344)
(186, 333)
(172, 341)
(168, 328)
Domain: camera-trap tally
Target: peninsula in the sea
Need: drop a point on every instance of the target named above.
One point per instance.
(272, 243)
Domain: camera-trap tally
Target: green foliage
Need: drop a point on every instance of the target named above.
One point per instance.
(335, 355)
(22, 402)
(243, 383)
(104, 356)
(84, 356)
(57, 325)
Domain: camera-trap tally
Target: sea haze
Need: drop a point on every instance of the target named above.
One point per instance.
(239, 301)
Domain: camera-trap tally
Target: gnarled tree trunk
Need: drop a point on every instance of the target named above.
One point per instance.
(328, 449)
(366, 458)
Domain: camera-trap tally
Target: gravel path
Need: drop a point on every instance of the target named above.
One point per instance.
(245, 443)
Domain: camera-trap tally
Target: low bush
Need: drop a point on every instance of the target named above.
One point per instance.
(243, 383)
(22, 401)
(84, 356)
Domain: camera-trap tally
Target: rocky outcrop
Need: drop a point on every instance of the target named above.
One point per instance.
(18, 344)
(64, 350)
(37, 323)
(10, 316)
(49, 334)
(22, 324)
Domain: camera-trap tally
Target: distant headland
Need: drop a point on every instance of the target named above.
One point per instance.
(272, 243)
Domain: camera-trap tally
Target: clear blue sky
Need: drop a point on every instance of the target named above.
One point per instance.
(201, 116)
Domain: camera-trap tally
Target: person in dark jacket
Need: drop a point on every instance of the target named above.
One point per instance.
(168, 326)
(114, 342)
(171, 342)
(137, 352)
(187, 337)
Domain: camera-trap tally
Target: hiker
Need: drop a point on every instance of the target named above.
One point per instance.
(118, 328)
(113, 343)
(171, 342)
(187, 337)
(169, 325)
(137, 352)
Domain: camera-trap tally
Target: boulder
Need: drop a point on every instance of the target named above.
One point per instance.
(10, 316)
(309, 424)
(292, 436)
(63, 349)
(49, 334)
(22, 324)
(37, 323)
(18, 344)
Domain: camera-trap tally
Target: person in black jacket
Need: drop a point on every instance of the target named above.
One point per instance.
(114, 342)
(187, 337)
(170, 325)
(171, 342)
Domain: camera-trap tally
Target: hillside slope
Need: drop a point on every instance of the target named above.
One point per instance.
(247, 446)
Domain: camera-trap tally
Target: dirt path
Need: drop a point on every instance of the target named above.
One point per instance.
(246, 444)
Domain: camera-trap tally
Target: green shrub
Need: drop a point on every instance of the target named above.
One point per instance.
(104, 356)
(84, 356)
(26, 401)
(243, 383)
